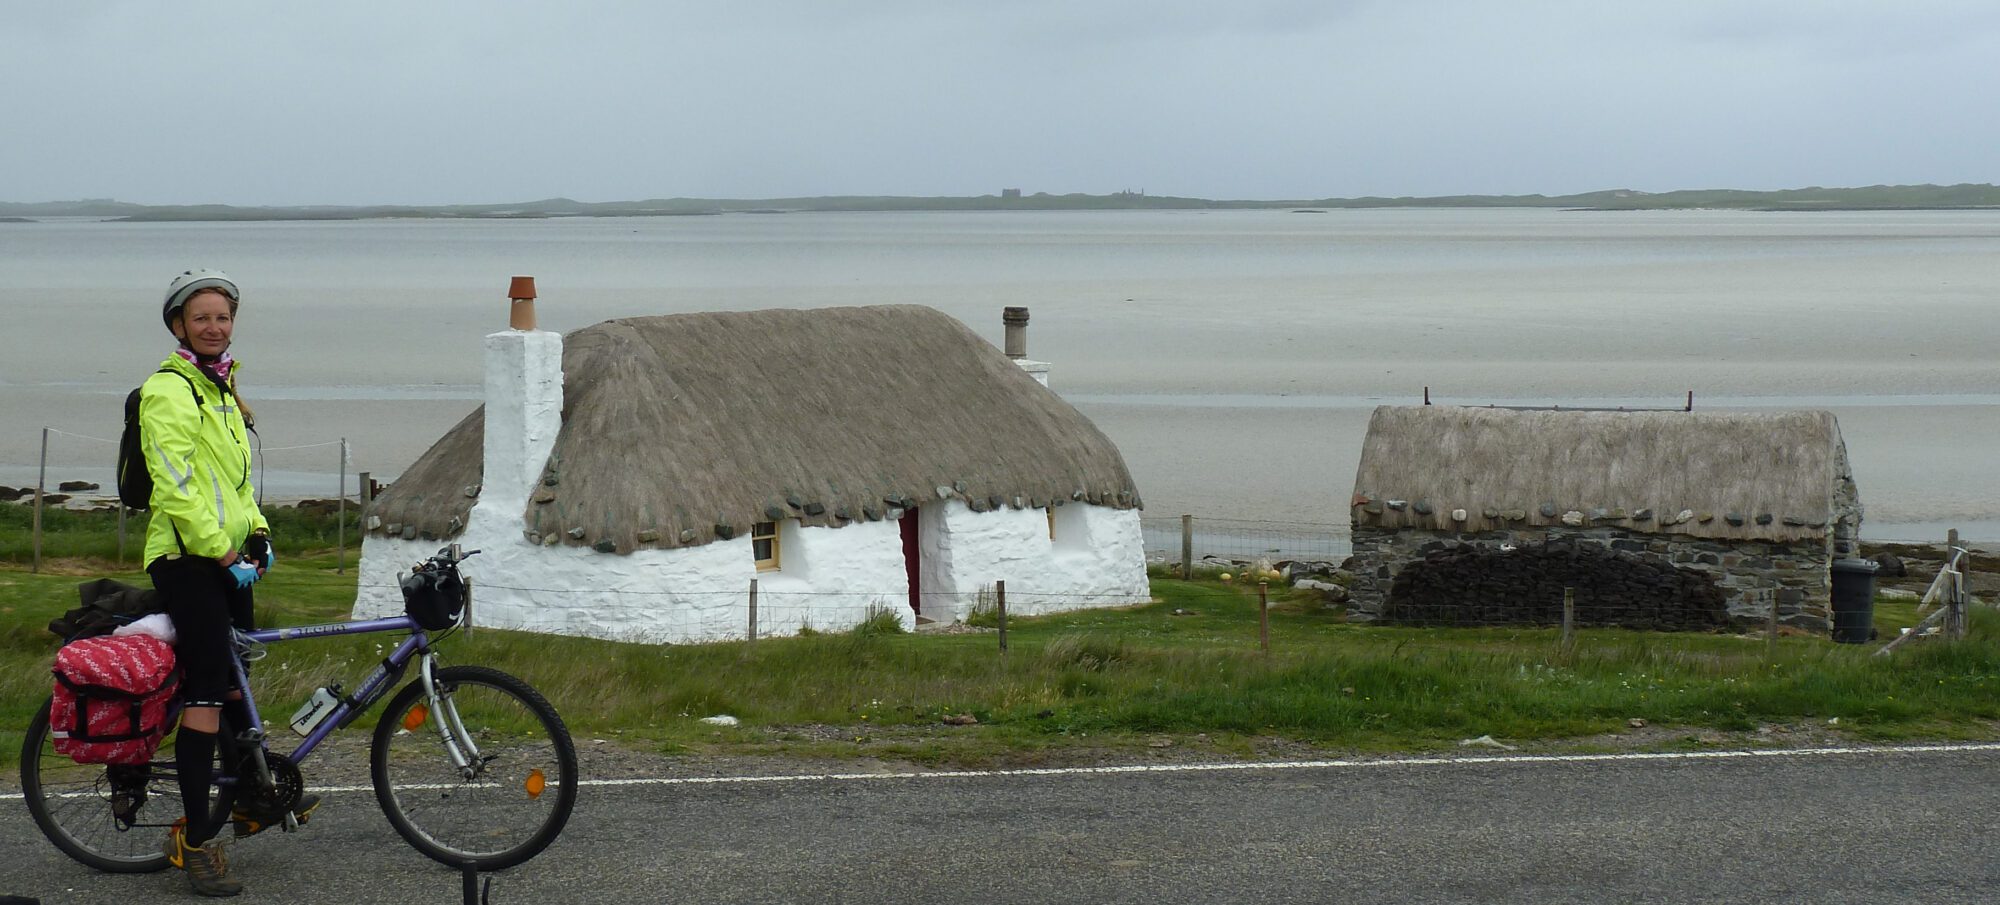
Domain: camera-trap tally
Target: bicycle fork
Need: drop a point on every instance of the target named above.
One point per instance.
(458, 743)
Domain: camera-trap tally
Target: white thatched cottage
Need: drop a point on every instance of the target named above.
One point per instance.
(1650, 519)
(631, 479)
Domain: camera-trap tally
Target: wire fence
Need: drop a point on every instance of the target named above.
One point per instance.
(76, 472)
(1224, 541)
(79, 469)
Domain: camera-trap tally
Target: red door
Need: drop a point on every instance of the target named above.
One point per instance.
(911, 556)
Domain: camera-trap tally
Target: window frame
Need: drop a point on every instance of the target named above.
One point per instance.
(775, 561)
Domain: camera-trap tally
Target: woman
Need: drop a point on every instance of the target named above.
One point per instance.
(206, 545)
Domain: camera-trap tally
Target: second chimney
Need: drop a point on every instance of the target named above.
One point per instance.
(1016, 321)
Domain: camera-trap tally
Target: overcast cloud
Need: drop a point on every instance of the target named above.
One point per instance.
(372, 102)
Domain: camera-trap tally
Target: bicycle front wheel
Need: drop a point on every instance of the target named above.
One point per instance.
(488, 776)
(73, 804)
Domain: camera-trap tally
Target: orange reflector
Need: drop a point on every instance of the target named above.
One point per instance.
(416, 717)
(536, 783)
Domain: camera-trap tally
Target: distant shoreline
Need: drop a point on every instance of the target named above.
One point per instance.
(1964, 197)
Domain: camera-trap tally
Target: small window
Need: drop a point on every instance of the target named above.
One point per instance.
(764, 545)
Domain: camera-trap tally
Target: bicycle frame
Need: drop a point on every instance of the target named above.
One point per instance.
(417, 645)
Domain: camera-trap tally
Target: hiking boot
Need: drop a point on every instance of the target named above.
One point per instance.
(207, 868)
(247, 823)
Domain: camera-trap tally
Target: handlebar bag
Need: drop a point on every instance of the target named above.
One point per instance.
(434, 598)
(112, 694)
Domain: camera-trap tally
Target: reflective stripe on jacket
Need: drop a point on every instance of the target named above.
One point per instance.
(200, 462)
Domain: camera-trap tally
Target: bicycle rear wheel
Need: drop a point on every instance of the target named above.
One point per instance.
(72, 803)
(516, 791)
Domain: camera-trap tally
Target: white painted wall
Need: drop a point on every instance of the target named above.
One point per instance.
(830, 579)
(833, 578)
(1097, 558)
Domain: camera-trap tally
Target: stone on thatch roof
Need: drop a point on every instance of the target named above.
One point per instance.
(1734, 475)
(683, 428)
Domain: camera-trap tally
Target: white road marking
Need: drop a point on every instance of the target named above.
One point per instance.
(1265, 766)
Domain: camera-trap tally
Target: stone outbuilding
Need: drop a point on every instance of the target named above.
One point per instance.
(631, 479)
(1651, 519)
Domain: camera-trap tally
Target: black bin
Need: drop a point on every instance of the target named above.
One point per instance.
(1853, 600)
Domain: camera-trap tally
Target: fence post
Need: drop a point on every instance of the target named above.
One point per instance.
(1187, 548)
(1771, 630)
(1264, 616)
(1569, 622)
(340, 513)
(121, 531)
(753, 609)
(1000, 604)
(1954, 624)
(41, 478)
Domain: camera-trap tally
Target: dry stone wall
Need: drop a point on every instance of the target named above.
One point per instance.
(1673, 578)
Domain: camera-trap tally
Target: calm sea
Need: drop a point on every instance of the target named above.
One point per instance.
(1234, 356)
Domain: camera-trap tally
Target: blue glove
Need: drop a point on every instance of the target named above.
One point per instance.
(244, 572)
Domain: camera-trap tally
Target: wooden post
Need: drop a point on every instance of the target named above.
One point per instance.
(1569, 622)
(1187, 548)
(1000, 596)
(340, 513)
(1954, 624)
(41, 478)
(753, 609)
(465, 621)
(1264, 616)
(121, 531)
(1771, 630)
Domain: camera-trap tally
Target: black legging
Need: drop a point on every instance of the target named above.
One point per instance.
(204, 603)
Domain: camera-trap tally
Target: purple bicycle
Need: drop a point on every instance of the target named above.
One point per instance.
(472, 766)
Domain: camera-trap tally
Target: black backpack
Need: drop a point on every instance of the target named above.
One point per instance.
(135, 482)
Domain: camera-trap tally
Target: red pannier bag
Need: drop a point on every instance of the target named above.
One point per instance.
(111, 698)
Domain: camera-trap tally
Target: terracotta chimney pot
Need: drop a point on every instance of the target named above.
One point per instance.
(522, 291)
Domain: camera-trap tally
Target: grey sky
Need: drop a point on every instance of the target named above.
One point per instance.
(363, 101)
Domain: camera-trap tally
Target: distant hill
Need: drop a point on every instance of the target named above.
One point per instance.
(1875, 197)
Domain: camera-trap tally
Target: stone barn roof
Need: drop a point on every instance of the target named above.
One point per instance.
(681, 429)
(1718, 475)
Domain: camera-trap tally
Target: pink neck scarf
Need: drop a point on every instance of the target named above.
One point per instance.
(216, 368)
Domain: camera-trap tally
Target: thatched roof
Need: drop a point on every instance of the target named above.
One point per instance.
(684, 428)
(1774, 473)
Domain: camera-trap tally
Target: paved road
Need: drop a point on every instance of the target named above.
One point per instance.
(1825, 828)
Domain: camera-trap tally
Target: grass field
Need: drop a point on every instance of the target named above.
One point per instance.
(1126, 679)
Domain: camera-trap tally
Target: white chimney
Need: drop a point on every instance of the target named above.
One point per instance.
(524, 400)
(1015, 320)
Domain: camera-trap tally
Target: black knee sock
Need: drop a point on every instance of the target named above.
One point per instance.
(194, 761)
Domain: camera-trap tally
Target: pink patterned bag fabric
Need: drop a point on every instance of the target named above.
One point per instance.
(111, 698)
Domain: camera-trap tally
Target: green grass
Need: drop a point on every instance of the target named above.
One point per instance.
(93, 535)
(1119, 679)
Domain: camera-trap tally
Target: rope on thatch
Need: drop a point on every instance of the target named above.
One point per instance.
(1721, 475)
(681, 429)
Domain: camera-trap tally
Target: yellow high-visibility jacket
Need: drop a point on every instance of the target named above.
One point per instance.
(199, 457)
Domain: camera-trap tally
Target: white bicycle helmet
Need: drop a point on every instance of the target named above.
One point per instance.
(190, 282)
